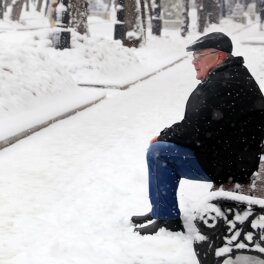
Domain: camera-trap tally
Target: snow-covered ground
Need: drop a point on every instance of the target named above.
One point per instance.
(68, 192)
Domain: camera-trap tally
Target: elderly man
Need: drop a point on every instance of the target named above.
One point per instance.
(219, 139)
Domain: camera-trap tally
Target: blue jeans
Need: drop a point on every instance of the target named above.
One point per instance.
(167, 164)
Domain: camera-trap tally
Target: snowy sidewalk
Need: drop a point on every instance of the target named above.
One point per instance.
(49, 111)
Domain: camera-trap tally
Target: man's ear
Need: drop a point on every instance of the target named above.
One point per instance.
(222, 56)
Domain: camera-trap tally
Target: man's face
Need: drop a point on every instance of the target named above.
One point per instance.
(204, 61)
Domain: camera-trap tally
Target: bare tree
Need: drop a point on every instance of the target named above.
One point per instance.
(207, 9)
(47, 7)
(109, 5)
(156, 19)
(143, 15)
(7, 3)
(1, 9)
(214, 11)
(27, 5)
(39, 5)
(79, 15)
(202, 9)
(150, 10)
(133, 22)
(17, 6)
(185, 18)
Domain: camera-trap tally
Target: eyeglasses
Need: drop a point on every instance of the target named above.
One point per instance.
(197, 56)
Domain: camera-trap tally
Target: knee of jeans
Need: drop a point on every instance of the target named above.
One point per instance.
(156, 149)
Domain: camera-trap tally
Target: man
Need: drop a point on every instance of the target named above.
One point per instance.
(219, 138)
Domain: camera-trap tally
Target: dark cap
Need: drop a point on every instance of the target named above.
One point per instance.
(215, 40)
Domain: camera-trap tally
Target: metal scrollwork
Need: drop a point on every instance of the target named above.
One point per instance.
(209, 220)
(227, 229)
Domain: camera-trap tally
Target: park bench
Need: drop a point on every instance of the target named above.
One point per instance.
(231, 221)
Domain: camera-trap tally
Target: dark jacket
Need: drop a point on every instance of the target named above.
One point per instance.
(223, 123)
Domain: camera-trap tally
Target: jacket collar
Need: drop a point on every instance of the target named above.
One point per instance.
(230, 62)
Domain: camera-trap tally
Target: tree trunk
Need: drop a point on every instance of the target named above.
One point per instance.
(143, 15)
(1, 9)
(27, 5)
(202, 9)
(79, 15)
(39, 5)
(17, 9)
(131, 13)
(109, 5)
(223, 8)
(156, 20)
(47, 7)
(7, 3)
(185, 18)
(133, 23)
(150, 10)
(214, 11)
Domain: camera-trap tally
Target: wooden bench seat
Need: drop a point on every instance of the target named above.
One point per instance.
(231, 221)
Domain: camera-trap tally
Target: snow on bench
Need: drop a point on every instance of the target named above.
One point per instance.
(231, 221)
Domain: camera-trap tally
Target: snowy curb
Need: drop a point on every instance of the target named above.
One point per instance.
(6, 30)
(254, 43)
(127, 85)
(11, 140)
(243, 28)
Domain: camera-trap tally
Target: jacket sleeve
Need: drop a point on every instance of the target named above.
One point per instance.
(183, 133)
(203, 120)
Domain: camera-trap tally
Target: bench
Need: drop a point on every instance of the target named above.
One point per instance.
(231, 221)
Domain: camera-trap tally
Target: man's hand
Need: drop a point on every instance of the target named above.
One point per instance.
(153, 140)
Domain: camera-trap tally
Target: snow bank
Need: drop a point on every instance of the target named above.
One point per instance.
(26, 75)
(34, 88)
(93, 60)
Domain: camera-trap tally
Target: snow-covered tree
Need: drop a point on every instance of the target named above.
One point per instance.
(214, 11)
(171, 8)
(1, 10)
(156, 18)
(133, 21)
(17, 6)
(7, 3)
(185, 18)
(207, 8)
(79, 15)
(39, 5)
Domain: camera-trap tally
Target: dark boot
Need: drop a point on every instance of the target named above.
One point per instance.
(141, 219)
(172, 225)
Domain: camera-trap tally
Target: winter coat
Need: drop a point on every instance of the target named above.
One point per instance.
(223, 123)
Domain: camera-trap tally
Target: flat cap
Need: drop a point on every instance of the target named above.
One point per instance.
(215, 40)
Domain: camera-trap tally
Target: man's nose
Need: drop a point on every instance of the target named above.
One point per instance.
(194, 61)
